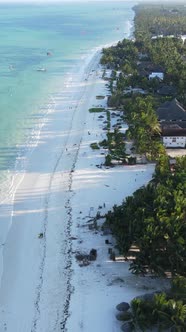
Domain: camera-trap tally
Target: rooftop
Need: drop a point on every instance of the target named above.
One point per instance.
(150, 67)
(158, 75)
(174, 132)
(171, 111)
(166, 90)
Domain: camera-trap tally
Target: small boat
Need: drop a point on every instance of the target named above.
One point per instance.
(41, 69)
(11, 67)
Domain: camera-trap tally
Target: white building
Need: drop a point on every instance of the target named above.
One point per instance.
(172, 118)
(174, 137)
(159, 75)
(183, 37)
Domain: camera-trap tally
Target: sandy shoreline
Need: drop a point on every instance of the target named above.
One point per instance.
(42, 287)
(99, 287)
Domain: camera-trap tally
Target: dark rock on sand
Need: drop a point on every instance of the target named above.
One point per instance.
(123, 306)
(124, 316)
(126, 327)
(93, 254)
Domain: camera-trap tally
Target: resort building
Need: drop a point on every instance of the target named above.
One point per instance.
(174, 136)
(172, 118)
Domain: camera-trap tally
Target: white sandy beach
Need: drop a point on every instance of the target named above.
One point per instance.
(43, 289)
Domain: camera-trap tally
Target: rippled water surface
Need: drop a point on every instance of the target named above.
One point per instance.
(56, 39)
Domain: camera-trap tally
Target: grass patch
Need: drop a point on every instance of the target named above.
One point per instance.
(108, 120)
(100, 97)
(96, 109)
(104, 144)
(94, 146)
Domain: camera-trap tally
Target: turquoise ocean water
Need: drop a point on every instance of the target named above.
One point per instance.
(67, 31)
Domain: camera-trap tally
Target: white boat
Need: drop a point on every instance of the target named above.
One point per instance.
(41, 69)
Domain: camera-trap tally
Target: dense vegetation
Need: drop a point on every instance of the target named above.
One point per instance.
(155, 19)
(123, 56)
(116, 147)
(114, 144)
(163, 311)
(144, 127)
(165, 52)
(153, 221)
(168, 50)
(158, 226)
(150, 225)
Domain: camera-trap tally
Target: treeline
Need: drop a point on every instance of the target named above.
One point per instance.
(169, 52)
(144, 127)
(157, 19)
(163, 311)
(166, 54)
(150, 225)
(153, 221)
(135, 59)
(157, 227)
(123, 56)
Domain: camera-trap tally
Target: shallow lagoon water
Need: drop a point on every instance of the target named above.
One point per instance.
(57, 38)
